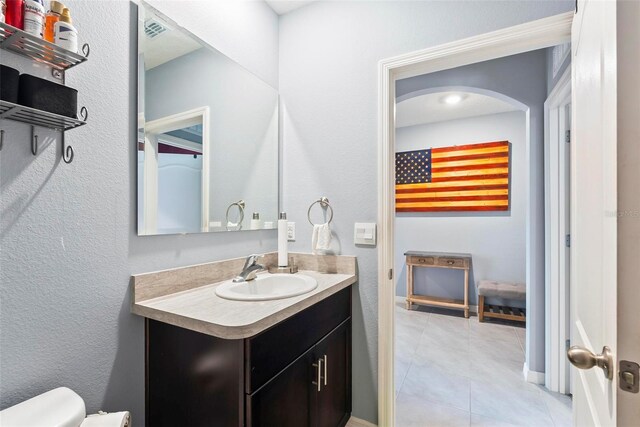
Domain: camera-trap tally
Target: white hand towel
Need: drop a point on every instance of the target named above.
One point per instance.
(321, 238)
(113, 419)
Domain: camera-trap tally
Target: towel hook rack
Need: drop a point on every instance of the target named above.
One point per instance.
(324, 203)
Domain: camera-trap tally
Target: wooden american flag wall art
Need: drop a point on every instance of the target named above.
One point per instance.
(472, 177)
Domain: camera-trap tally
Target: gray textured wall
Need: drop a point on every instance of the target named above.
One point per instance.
(329, 52)
(496, 240)
(67, 232)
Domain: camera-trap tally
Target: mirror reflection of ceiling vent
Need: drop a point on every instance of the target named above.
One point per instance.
(153, 28)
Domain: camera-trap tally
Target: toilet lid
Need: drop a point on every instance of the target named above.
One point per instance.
(60, 407)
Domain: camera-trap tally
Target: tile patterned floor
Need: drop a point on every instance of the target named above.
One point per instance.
(452, 371)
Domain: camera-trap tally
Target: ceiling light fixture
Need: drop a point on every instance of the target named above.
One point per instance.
(453, 99)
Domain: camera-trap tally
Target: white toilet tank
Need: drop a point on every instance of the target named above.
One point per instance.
(60, 407)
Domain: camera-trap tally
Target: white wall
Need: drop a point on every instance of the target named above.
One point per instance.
(496, 240)
(329, 52)
(68, 232)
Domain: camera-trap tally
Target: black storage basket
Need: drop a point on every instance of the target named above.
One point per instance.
(9, 84)
(48, 96)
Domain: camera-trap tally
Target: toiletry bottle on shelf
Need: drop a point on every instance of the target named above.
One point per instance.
(34, 17)
(14, 15)
(256, 222)
(283, 253)
(50, 19)
(65, 34)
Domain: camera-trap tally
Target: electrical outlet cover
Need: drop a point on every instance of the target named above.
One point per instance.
(291, 231)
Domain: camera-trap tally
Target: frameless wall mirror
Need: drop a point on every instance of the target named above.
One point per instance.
(207, 141)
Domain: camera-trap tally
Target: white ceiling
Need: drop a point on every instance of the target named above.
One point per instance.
(430, 108)
(169, 45)
(285, 6)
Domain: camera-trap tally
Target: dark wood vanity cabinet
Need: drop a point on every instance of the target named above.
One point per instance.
(268, 380)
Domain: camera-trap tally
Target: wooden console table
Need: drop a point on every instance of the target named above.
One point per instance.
(438, 260)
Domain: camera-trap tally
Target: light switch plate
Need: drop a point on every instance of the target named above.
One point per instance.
(364, 233)
(291, 231)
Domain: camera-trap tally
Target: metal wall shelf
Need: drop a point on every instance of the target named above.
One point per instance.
(22, 43)
(59, 59)
(34, 117)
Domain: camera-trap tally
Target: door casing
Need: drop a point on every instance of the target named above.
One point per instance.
(557, 324)
(526, 37)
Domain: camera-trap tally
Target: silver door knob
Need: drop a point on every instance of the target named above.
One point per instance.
(582, 358)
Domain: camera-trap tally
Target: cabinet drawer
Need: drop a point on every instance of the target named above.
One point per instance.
(451, 262)
(271, 351)
(422, 260)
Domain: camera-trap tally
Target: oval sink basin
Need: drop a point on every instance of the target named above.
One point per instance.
(267, 287)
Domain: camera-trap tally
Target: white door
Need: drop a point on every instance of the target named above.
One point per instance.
(593, 210)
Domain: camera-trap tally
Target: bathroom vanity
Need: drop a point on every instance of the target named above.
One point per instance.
(217, 362)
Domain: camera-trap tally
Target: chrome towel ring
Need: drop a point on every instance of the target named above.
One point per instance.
(241, 205)
(324, 202)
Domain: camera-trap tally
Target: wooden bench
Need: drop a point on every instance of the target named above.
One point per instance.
(508, 291)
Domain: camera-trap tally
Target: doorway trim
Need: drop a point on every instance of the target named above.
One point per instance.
(521, 38)
(557, 235)
(200, 115)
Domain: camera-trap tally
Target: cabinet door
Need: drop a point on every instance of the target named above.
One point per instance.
(274, 349)
(192, 379)
(284, 401)
(333, 400)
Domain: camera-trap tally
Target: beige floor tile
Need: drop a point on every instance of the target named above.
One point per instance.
(521, 333)
(435, 385)
(450, 369)
(452, 358)
(493, 331)
(496, 349)
(482, 421)
(414, 411)
(454, 322)
(559, 406)
(401, 368)
(502, 372)
(514, 404)
(444, 333)
(407, 337)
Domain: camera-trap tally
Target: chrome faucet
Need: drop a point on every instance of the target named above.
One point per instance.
(250, 269)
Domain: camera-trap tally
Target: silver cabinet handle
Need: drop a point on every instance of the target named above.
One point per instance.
(325, 369)
(319, 366)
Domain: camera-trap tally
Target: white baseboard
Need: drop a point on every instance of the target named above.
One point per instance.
(532, 376)
(357, 422)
